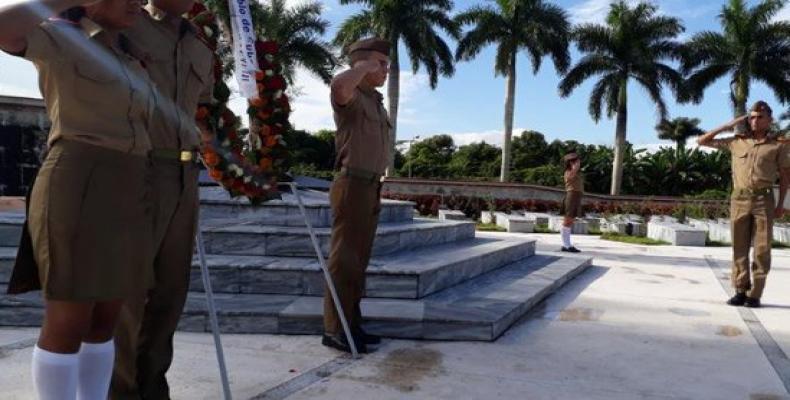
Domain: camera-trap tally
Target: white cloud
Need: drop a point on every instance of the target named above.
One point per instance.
(494, 137)
(591, 11)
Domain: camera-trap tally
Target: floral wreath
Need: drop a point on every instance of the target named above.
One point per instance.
(245, 163)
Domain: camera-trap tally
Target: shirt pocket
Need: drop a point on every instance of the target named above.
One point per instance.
(194, 85)
(99, 84)
(740, 158)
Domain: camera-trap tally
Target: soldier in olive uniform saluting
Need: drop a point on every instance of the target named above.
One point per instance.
(181, 66)
(363, 154)
(572, 203)
(758, 159)
(89, 211)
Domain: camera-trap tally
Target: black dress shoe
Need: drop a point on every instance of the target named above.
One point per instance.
(365, 337)
(571, 250)
(738, 300)
(340, 343)
(752, 302)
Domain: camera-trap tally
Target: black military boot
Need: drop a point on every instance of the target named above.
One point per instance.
(751, 302)
(738, 300)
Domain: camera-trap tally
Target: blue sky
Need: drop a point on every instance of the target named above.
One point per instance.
(469, 106)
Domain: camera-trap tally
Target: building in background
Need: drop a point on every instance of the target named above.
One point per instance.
(23, 137)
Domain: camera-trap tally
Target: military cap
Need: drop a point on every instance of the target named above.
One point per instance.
(370, 44)
(570, 157)
(761, 107)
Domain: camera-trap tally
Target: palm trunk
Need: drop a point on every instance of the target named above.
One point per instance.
(393, 96)
(740, 95)
(619, 139)
(510, 99)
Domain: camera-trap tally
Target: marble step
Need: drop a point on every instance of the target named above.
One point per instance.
(264, 240)
(10, 228)
(481, 309)
(407, 275)
(7, 255)
(216, 204)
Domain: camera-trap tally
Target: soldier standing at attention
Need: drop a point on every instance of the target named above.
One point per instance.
(89, 211)
(572, 203)
(758, 159)
(363, 153)
(181, 66)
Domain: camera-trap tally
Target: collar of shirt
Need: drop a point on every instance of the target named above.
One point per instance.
(176, 22)
(372, 92)
(90, 27)
(96, 31)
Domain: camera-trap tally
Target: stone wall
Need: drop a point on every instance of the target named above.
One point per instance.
(498, 190)
(23, 132)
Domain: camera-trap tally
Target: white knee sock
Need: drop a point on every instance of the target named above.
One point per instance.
(95, 372)
(566, 236)
(54, 375)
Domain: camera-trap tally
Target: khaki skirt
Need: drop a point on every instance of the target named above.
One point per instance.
(90, 223)
(572, 204)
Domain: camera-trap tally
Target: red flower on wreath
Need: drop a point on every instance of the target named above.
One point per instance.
(266, 47)
(276, 83)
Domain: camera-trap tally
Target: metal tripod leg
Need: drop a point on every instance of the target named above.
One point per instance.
(327, 276)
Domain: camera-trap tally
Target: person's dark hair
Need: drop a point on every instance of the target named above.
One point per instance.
(73, 14)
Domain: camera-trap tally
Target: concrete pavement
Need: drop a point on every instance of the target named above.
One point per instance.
(643, 323)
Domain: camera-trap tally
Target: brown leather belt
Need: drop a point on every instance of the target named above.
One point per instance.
(184, 156)
(360, 174)
(752, 192)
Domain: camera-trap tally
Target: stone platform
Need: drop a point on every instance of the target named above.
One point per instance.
(428, 279)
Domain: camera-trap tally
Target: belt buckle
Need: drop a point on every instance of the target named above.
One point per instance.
(186, 156)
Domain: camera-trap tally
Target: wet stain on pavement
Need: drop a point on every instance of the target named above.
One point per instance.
(693, 281)
(687, 312)
(729, 331)
(403, 369)
(580, 314)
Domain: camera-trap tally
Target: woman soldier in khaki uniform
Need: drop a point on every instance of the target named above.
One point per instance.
(88, 216)
(572, 203)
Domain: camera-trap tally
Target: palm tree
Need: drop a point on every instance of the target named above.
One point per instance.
(298, 31)
(679, 130)
(415, 24)
(539, 28)
(635, 44)
(751, 47)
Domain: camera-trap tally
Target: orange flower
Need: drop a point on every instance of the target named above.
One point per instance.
(271, 141)
(264, 115)
(202, 113)
(258, 102)
(259, 75)
(266, 163)
(215, 174)
(211, 158)
(266, 130)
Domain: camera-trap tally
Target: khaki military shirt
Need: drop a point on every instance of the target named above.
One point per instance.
(181, 66)
(363, 129)
(756, 164)
(95, 92)
(575, 184)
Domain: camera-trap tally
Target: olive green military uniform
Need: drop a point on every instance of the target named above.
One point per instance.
(362, 143)
(181, 66)
(89, 212)
(574, 190)
(756, 165)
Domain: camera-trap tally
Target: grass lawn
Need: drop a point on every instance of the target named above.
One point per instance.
(489, 227)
